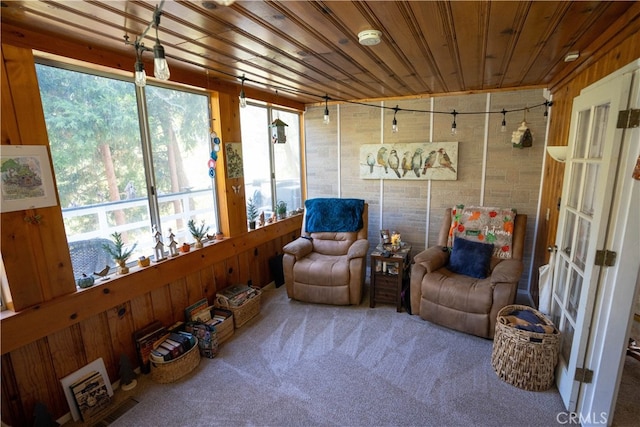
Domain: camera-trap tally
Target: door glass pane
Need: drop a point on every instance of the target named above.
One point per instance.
(601, 117)
(574, 188)
(287, 162)
(589, 189)
(567, 240)
(582, 241)
(582, 134)
(562, 279)
(567, 339)
(575, 287)
(556, 314)
(94, 136)
(256, 157)
(179, 128)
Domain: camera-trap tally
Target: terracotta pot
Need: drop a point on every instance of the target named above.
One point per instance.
(185, 248)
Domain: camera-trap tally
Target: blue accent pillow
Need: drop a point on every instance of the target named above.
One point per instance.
(470, 258)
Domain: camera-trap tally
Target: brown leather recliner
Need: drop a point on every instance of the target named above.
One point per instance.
(461, 302)
(327, 267)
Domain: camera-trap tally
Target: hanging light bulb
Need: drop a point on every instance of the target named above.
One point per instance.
(454, 126)
(326, 118)
(243, 96)
(394, 123)
(160, 66)
(504, 121)
(140, 75)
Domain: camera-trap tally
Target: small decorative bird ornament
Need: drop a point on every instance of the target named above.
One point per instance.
(103, 272)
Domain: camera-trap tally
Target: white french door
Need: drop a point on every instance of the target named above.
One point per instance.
(589, 180)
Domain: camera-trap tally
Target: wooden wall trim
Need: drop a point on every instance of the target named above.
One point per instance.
(21, 328)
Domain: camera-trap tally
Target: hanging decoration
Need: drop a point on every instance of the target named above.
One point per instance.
(278, 135)
(213, 157)
(522, 137)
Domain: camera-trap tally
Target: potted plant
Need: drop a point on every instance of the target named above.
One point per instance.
(119, 254)
(198, 232)
(281, 209)
(252, 213)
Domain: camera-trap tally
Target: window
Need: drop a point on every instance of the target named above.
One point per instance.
(125, 159)
(272, 172)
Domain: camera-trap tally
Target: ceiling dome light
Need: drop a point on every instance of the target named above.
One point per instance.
(571, 56)
(369, 37)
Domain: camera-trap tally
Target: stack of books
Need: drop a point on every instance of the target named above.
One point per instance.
(172, 346)
(144, 340)
(237, 295)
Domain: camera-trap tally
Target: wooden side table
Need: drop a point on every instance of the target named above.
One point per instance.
(389, 271)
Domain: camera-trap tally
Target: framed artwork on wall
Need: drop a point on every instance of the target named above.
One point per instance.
(410, 161)
(233, 152)
(27, 181)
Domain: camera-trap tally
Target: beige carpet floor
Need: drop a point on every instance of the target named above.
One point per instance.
(299, 364)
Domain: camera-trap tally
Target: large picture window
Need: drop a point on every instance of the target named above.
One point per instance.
(272, 172)
(125, 159)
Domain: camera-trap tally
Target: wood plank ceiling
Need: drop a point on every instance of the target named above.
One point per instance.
(308, 49)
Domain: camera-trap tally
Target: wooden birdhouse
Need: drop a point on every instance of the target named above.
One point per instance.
(278, 135)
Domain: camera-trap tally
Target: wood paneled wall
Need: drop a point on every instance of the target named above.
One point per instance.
(53, 329)
(609, 53)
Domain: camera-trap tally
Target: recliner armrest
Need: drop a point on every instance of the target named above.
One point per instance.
(433, 258)
(507, 271)
(299, 248)
(358, 249)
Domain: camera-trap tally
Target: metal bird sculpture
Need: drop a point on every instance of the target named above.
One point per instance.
(394, 162)
(445, 161)
(383, 158)
(416, 161)
(429, 161)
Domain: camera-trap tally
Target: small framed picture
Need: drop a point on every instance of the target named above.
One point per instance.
(27, 181)
(385, 237)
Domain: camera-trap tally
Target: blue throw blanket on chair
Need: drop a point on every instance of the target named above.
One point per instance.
(337, 215)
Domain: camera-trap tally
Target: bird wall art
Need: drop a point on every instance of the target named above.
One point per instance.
(410, 161)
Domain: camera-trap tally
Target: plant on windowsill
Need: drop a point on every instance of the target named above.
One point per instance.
(281, 209)
(118, 252)
(198, 232)
(252, 213)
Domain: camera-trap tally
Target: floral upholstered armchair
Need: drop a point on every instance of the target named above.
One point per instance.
(473, 272)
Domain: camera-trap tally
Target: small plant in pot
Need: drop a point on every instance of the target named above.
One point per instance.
(198, 231)
(281, 209)
(118, 252)
(252, 213)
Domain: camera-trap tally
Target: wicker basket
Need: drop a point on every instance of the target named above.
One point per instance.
(243, 313)
(522, 358)
(172, 370)
(225, 328)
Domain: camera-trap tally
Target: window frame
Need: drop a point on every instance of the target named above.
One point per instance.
(146, 143)
(271, 113)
